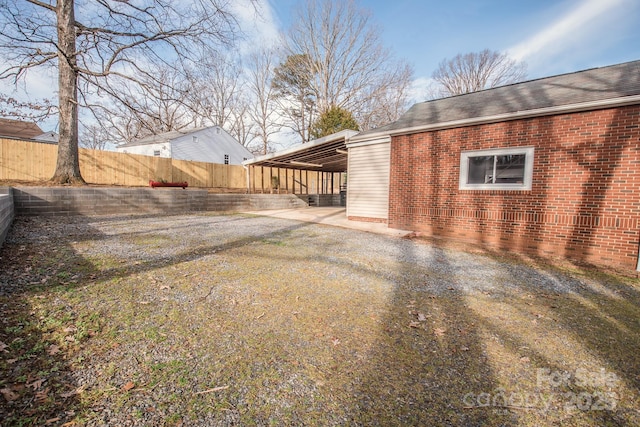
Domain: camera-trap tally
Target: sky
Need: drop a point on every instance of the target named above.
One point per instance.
(552, 36)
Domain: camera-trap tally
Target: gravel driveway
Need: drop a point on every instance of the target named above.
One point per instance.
(244, 320)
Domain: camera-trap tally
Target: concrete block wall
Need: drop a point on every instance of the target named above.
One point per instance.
(320, 199)
(252, 202)
(6, 212)
(56, 201)
(101, 201)
(329, 200)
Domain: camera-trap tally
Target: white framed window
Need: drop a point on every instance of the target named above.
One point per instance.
(497, 169)
(156, 153)
(226, 159)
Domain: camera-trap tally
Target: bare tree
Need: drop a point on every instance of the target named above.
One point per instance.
(294, 94)
(25, 110)
(388, 100)
(214, 90)
(149, 106)
(349, 66)
(94, 137)
(216, 95)
(471, 72)
(108, 40)
(262, 110)
(241, 125)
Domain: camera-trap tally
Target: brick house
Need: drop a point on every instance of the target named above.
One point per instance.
(549, 167)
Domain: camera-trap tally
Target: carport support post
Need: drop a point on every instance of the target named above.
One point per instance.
(332, 187)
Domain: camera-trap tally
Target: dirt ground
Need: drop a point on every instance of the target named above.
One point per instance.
(220, 320)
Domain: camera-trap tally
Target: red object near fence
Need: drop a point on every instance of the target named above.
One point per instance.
(155, 184)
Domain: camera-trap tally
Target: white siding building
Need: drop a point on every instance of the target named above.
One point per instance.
(211, 145)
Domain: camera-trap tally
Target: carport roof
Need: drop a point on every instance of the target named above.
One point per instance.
(326, 154)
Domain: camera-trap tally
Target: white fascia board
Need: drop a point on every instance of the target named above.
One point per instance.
(372, 140)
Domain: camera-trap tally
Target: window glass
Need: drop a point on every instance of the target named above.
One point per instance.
(497, 168)
(480, 169)
(510, 169)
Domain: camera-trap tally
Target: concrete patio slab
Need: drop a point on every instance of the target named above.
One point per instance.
(334, 216)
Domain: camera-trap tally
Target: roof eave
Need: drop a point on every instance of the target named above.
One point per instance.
(539, 112)
(525, 114)
(342, 135)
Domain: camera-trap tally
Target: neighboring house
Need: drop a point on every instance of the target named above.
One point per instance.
(48, 137)
(18, 129)
(211, 145)
(548, 166)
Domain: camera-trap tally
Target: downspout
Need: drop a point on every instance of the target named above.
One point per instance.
(638, 264)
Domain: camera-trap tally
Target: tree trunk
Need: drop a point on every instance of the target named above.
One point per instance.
(68, 165)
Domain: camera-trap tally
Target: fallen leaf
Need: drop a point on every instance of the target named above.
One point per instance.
(52, 420)
(421, 317)
(70, 338)
(128, 386)
(335, 341)
(3, 346)
(70, 329)
(260, 316)
(53, 349)
(12, 361)
(36, 384)
(525, 359)
(9, 395)
(439, 331)
(464, 348)
(165, 288)
(144, 302)
(69, 394)
(414, 324)
(42, 395)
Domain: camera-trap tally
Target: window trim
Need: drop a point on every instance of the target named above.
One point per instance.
(528, 168)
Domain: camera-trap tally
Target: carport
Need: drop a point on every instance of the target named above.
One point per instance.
(316, 169)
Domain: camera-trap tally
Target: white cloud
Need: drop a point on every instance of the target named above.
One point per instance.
(583, 23)
(258, 22)
(422, 89)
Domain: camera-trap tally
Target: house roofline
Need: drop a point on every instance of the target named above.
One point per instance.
(525, 114)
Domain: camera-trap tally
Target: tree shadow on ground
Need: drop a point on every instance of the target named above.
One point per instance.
(300, 324)
(559, 342)
(40, 332)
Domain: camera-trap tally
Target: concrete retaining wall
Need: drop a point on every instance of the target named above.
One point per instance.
(100, 201)
(6, 212)
(320, 199)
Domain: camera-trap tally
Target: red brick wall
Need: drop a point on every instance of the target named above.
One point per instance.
(585, 199)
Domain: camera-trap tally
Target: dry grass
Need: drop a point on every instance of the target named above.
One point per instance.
(281, 329)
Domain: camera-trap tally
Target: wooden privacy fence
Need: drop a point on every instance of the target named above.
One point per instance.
(33, 161)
